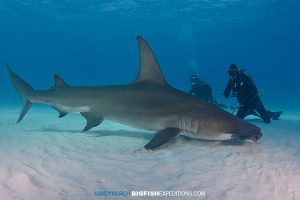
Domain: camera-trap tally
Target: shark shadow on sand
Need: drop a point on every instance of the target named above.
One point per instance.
(141, 135)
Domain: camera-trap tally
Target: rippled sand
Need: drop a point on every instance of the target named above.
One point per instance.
(44, 157)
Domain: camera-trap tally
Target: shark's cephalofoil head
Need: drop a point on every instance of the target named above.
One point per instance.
(212, 123)
(250, 133)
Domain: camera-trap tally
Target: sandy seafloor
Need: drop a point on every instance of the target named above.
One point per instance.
(45, 157)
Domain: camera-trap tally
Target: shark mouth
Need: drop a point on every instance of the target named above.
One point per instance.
(250, 136)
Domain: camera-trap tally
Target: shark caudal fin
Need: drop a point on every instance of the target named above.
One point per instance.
(24, 90)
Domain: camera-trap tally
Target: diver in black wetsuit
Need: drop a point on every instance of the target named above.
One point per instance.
(243, 87)
(201, 90)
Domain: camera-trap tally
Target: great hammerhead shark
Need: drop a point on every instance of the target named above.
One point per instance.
(148, 103)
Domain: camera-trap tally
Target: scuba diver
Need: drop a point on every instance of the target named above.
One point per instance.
(201, 89)
(243, 87)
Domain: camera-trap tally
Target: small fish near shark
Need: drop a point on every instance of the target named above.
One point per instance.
(148, 103)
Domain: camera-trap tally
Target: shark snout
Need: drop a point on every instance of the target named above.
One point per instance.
(252, 134)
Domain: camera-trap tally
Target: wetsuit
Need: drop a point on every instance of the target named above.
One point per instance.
(203, 91)
(244, 89)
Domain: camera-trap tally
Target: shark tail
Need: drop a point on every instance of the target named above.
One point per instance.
(24, 90)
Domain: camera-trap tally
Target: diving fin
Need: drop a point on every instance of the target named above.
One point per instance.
(276, 115)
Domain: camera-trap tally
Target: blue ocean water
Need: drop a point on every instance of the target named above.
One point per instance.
(93, 42)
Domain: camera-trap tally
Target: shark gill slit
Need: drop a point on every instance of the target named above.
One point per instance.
(189, 125)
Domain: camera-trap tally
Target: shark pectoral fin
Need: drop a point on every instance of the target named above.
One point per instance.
(162, 137)
(61, 112)
(92, 120)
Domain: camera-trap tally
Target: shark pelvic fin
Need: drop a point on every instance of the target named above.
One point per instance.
(59, 82)
(61, 112)
(162, 137)
(149, 67)
(92, 120)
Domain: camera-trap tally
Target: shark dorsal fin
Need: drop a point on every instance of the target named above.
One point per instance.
(59, 82)
(149, 67)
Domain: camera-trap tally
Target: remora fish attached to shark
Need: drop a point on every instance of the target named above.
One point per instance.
(148, 103)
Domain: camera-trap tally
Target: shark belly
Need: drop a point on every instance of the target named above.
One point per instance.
(72, 109)
(145, 121)
(209, 135)
(62, 105)
(192, 127)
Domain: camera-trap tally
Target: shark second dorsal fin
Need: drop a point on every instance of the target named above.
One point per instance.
(59, 82)
(149, 67)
